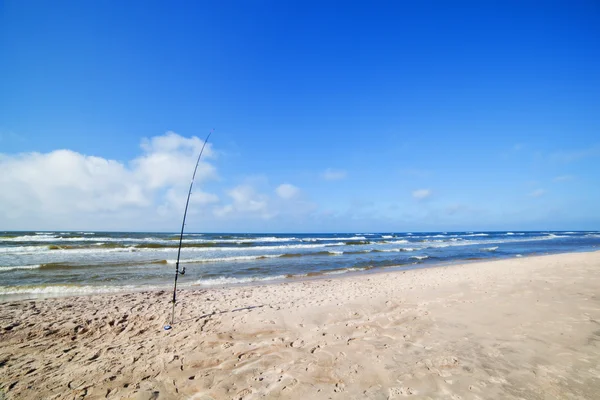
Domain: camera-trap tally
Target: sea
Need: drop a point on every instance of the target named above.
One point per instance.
(49, 264)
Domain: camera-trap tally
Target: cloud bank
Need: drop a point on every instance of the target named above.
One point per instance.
(64, 189)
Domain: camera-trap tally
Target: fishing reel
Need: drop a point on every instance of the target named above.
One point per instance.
(179, 271)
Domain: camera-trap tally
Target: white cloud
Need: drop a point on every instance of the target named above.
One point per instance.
(537, 193)
(287, 191)
(246, 201)
(331, 174)
(67, 186)
(568, 156)
(170, 159)
(422, 194)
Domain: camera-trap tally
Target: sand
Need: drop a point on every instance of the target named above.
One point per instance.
(512, 329)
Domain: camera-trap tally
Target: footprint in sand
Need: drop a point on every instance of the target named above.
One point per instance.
(400, 391)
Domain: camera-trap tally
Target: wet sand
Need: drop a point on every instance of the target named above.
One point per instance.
(513, 329)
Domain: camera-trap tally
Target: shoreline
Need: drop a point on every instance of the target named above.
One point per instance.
(513, 328)
(278, 281)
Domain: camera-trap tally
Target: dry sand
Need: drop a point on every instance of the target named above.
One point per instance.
(512, 329)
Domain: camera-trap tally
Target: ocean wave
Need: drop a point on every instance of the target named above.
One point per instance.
(116, 248)
(509, 233)
(255, 257)
(325, 239)
(396, 250)
(419, 257)
(99, 264)
(224, 280)
(494, 248)
(342, 271)
(69, 289)
(22, 249)
(54, 238)
(225, 259)
(477, 234)
(30, 238)
(258, 239)
(357, 242)
(13, 267)
(399, 241)
(335, 271)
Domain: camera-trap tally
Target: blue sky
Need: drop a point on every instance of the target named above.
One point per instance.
(372, 116)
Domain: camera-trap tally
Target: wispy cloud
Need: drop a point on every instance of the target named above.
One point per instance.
(537, 193)
(564, 178)
(568, 156)
(287, 191)
(331, 174)
(422, 194)
(246, 201)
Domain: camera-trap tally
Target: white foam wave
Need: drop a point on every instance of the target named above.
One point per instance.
(325, 239)
(50, 238)
(30, 238)
(66, 290)
(13, 267)
(490, 248)
(336, 253)
(225, 259)
(23, 249)
(509, 233)
(419, 257)
(232, 281)
(519, 255)
(253, 240)
(398, 250)
(343, 271)
(477, 234)
(42, 249)
(387, 236)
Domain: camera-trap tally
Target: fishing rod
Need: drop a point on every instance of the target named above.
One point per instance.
(177, 271)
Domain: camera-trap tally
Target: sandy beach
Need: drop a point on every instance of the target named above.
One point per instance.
(524, 328)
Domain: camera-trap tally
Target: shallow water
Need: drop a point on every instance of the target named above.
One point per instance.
(44, 264)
